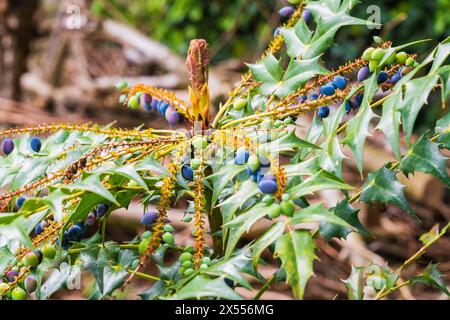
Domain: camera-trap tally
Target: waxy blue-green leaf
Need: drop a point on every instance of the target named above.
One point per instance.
(431, 276)
(266, 239)
(224, 176)
(390, 121)
(317, 213)
(203, 287)
(296, 251)
(382, 186)
(443, 129)
(424, 156)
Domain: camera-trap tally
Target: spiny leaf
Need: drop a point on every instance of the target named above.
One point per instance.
(296, 251)
(355, 283)
(431, 276)
(247, 190)
(382, 186)
(424, 156)
(390, 121)
(317, 213)
(202, 287)
(268, 237)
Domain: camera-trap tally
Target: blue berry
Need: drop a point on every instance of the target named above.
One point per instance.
(257, 176)
(382, 77)
(348, 106)
(101, 210)
(323, 112)
(39, 227)
(306, 15)
(149, 218)
(242, 156)
(359, 98)
(162, 107)
(267, 185)
(83, 227)
(314, 96)
(173, 118)
(30, 284)
(154, 104)
(74, 232)
(90, 219)
(7, 146)
(146, 100)
(38, 254)
(339, 82)
(264, 162)
(276, 32)
(302, 99)
(363, 73)
(35, 144)
(327, 90)
(19, 202)
(286, 11)
(229, 282)
(11, 275)
(187, 172)
(396, 78)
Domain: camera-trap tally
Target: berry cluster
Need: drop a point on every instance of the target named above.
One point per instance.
(8, 145)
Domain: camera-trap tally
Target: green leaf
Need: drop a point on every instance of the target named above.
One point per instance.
(242, 224)
(66, 275)
(287, 143)
(355, 283)
(424, 156)
(129, 172)
(203, 287)
(305, 168)
(358, 126)
(267, 238)
(382, 186)
(247, 190)
(443, 128)
(320, 181)
(93, 183)
(317, 213)
(431, 276)
(296, 251)
(347, 213)
(224, 176)
(269, 72)
(390, 121)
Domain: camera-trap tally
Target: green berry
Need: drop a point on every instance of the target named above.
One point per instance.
(133, 103)
(294, 1)
(285, 197)
(377, 54)
(18, 294)
(187, 219)
(253, 162)
(30, 260)
(391, 59)
(168, 238)
(187, 264)
(409, 62)
(267, 199)
(185, 256)
(195, 164)
(49, 251)
(367, 54)
(275, 211)
(199, 142)
(203, 266)
(4, 287)
(143, 245)
(277, 123)
(146, 234)
(168, 228)
(189, 249)
(181, 270)
(240, 104)
(122, 84)
(401, 57)
(135, 264)
(206, 260)
(188, 272)
(373, 65)
(288, 208)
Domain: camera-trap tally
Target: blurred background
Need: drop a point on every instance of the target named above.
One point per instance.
(59, 61)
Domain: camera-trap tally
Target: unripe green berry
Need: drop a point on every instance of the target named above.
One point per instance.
(294, 1)
(168, 238)
(187, 219)
(206, 260)
(187, 264)
(367, 54)
(409, 62)
(275, 211)
(135, 264)
(188, 272)
(143, 245)
(168, 228)
(203, 266)
(133, 103)
(18, 294)
(253, 162)
(377, 54)
(189, 249)
(401, 57)
(4, 287)
(285, 197)
(195, 164)
(267, 199)
(240, 104)
(288, 208)
(122, 84)
(199, 142)
(277, 123)
(146, 234)
(185, 256)
(49, 251)
(373, 65)
(30, 260)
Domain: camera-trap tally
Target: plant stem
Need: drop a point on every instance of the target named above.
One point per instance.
(382, 294)
(265, 287)
(143, 275)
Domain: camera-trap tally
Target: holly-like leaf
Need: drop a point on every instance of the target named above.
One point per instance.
(296, 251)
(247, 190)
(431, 276)
(382, 186)
(424, 156)
(317, 213)
(390, 121)
(355, 283)
(268, 237)
(443, 128)
(224, 176)
(204, 287)
(347, 213)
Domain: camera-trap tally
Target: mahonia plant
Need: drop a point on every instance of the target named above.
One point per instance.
(248, 163)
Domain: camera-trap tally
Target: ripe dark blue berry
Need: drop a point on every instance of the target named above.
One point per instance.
(65, 241)
(302, 99)
(149, 218)
(242, 156)
(264, 162)
(101, 210)
(229, 282)
(38, 254)
(348, 106)
(11, 275)
(162, 107)
(339, 82)
(359, 99)
(327, 90)
(276, 32)
(286, 11)
(146, 100)
(187, 172)
(314, 96)
(154, 104)
(267, 185)
(363, 73)
(74, 232)
(396, 78)
(30, 284)
(7, 146)
(306, 15)
(90, 219)
(19, 202)
(35, 144)
(173, 118)
(40, 227)
(323, 112)
(382, 77)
